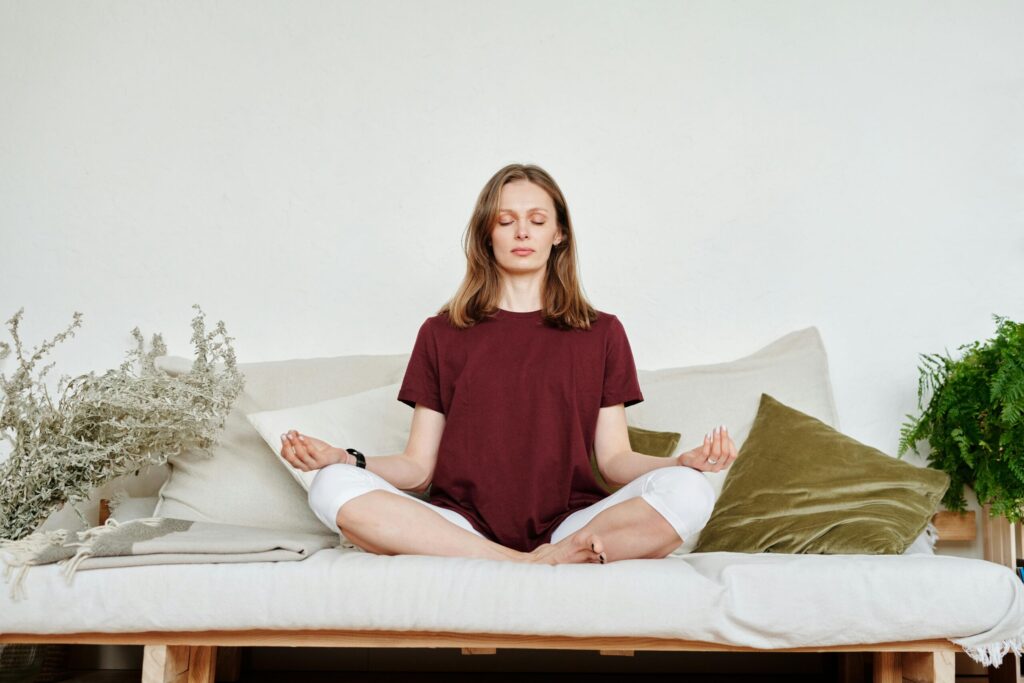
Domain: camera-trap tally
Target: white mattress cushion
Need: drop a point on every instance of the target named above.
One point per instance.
(753, 600)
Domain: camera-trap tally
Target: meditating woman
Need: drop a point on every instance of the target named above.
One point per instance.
(514, 383)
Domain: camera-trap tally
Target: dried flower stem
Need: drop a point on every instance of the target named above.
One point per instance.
(104, 427)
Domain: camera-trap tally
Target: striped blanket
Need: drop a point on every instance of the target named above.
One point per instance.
(154, 540)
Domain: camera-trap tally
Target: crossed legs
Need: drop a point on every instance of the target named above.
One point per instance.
(647, 518)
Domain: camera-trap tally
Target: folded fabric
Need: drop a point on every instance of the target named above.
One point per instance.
(154, 540)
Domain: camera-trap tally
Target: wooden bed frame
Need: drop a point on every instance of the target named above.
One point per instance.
(206, 656)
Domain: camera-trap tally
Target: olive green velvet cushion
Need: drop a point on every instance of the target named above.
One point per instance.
(799, 486)
(646, 441)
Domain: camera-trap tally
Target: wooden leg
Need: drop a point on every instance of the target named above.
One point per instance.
(887, 668)
(920, 667)
(202, 667)
(179, 663)
(928, 667)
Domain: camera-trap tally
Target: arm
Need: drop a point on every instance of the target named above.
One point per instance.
(410, 470)
(413, 469)
(422, 447)
(617, 462)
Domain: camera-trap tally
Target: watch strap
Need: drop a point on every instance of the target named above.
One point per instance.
(360, 458)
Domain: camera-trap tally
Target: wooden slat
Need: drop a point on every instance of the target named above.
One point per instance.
(1001, 543)
(202, 664)
(179, 664)
(104, 511)
(165, 663)
(928, 667)
(1000, 539)
(887, 668)
(955, 526)
(450, 639)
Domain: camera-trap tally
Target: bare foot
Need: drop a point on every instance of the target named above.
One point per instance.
(582, 546)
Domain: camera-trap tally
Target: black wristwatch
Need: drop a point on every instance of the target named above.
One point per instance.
(360, 458)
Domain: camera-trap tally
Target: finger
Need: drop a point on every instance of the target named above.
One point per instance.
(288, 453)
(717, 456)
(703, 453)
(300, 451)
(311, 444)
(716, 451)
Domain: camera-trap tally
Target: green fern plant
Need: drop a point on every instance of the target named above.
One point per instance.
(974, 421)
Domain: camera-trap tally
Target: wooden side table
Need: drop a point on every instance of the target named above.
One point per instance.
(1002, 544)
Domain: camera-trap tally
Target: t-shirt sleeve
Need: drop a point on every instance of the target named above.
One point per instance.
(421, 383)
(621, 384)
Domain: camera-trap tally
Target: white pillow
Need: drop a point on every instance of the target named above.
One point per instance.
(372, 421)
(240, 482)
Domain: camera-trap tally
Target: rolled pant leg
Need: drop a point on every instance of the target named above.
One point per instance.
(682, 495)
(335, 485)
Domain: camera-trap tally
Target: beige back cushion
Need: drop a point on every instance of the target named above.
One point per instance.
(243, 483)
(693, 400)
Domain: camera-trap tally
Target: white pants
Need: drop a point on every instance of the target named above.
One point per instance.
(682, 495)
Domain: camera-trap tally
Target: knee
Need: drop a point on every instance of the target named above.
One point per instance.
(690, 488)
(328, 486)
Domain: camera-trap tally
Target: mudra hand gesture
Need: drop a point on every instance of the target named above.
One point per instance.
(309, 453)
(716, 453)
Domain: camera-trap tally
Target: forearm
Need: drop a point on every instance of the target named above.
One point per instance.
(399, 470)
(624, 467)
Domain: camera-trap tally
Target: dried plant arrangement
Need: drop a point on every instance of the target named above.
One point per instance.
(105, 426)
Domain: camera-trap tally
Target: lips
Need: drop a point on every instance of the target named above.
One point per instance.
(522, 251)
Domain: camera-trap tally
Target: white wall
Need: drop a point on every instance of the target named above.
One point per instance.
(305, 171)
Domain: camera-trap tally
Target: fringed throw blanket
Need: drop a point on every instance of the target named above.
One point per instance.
(154, 540)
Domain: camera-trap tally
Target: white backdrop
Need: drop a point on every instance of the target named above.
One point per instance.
(305, 171)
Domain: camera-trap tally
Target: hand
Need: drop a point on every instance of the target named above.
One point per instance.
(718, 446)
(308, 452)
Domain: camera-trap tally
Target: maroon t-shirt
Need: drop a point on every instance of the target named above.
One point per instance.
(520, 401)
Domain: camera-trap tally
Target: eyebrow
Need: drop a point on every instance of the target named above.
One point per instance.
(536, 208)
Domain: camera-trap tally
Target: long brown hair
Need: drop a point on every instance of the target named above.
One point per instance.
(562, 299)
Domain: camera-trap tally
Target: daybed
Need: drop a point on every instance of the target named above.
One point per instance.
(914, 610)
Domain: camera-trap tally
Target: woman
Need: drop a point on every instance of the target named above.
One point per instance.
(514, 383)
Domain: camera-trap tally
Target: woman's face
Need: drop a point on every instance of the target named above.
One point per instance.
(526, 221)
